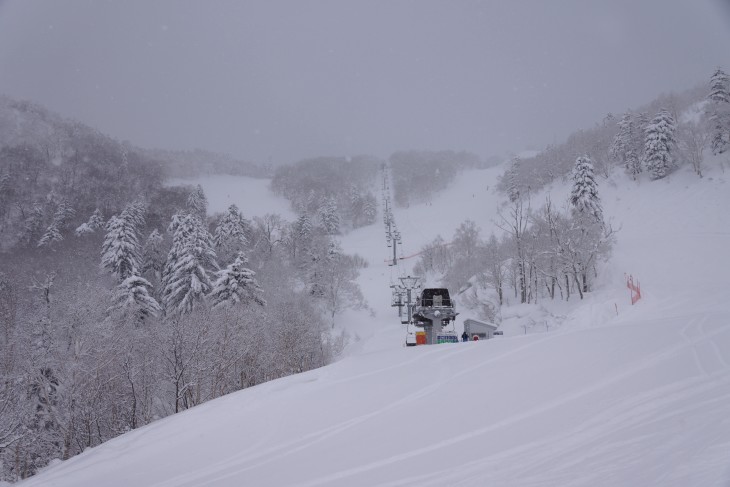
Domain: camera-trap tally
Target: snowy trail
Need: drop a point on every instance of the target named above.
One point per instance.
(577, 435)
(595, 431)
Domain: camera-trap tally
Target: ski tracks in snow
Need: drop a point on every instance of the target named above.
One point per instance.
(682, 413)
(552, 461)
(237, 465)
(233, 466)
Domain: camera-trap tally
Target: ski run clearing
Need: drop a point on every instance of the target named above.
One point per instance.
(605, 394)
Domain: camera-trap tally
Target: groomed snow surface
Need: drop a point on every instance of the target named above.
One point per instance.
(611, 395)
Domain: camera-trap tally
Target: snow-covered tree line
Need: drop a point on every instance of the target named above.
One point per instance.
(418, 175)
(547, 253)
(46, 159)
(135, 315)
(52, 182)
(336, 194)
(190, 164)
(674, 130)
(718, 112)
(553, 252)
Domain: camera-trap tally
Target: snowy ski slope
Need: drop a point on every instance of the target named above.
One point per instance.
(635, 398)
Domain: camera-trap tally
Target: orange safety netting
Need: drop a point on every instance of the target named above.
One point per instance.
(635, 289)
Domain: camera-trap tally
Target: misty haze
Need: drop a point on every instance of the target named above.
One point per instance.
(340, 243)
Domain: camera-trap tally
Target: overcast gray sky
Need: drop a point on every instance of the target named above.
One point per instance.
(284, 80)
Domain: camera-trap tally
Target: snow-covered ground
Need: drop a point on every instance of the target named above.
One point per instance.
(613, 395)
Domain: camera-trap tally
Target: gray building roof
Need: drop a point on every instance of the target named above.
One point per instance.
(476, 326)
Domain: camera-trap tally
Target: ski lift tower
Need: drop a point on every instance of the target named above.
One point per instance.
(396, 240)
(399, 293)
(392, 235)
(409, 284)
(433, 311)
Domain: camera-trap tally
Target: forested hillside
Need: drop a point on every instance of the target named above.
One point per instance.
(418, 175)
(553, 249)
(53, 165)
(337, 193)
(334, 193)
(194, 163)
(123, 300)
(55, 173)
(691, 112)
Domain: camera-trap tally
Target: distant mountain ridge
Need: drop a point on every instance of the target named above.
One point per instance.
(26, 122)
(199, 162)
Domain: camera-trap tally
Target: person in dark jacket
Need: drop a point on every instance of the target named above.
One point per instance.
(465, 337)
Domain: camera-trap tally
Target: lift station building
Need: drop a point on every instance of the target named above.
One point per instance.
(480, 329)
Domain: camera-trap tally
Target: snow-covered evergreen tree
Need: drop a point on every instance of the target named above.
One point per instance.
(584, 195)
(120, 249)
(135, 214)
(513, 187)
(132, 296)
(152, 256)
(624, 148)
(719, 111)
(303, 227)
(300, 235)
(96, 221)
(51, 236)
(330, 216)
(230, 233)
(334, 251)
(236, 284)
(370, 209)
(64, 212)
(197, 203)
(185, 277)
(61, 216)
(720, 140)
(659, 145)
(642, 121)
(719, 87)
